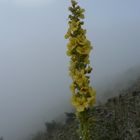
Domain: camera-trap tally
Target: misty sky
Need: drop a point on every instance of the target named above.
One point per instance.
(34, 81)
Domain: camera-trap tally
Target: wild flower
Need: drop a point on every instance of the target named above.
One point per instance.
(78, 49)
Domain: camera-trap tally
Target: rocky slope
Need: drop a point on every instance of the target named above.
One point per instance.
(117, 119)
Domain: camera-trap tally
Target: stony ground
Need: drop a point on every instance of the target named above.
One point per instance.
(117, 119)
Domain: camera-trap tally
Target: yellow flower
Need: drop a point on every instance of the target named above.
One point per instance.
(81, 40)
(83, 50)
(72, 87)
(80, 103)
(92, 92)
(86, 59)
(80, 108)
(84, 90)
(73, 25)
(80, 77)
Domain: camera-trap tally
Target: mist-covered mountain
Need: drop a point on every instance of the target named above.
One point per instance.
(114, 92)
(112, 85)
(118, 118)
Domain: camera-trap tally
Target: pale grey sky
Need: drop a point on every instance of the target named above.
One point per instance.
(34, 81)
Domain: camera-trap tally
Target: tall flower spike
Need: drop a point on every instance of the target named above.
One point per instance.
(78, 49)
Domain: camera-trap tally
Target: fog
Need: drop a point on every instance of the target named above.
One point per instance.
(34, 81)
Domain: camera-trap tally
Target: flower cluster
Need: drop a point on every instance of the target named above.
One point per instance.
(78, 49)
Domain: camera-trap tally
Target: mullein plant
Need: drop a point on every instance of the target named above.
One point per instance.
(78, 49)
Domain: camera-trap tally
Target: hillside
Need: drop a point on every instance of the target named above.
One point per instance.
(111, 85)
(117, 119)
